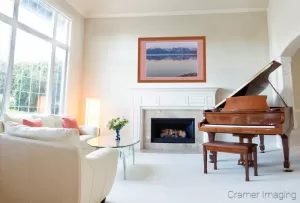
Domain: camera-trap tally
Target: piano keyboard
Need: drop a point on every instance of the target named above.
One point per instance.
(240, 126)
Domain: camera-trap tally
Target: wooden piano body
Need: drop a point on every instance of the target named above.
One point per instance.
(246, 113)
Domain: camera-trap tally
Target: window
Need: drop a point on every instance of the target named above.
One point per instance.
(30, 73)
(33, 54)
(37, 15)
(5, 35)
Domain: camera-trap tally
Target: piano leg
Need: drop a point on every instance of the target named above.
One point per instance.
(211, 138)
(241, 161)
(286, 153)
(262, 143)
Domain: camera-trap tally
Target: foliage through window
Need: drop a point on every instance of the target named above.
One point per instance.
(33, 77)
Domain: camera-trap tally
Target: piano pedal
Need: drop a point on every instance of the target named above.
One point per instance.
(287, 170)
(241, 162)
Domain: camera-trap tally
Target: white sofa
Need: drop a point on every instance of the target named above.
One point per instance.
(54, 121)
(41, 164)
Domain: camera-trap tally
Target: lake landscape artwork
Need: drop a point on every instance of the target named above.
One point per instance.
(171, 59)
(180, 59)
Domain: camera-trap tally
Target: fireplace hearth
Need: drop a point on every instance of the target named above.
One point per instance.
(172, 130)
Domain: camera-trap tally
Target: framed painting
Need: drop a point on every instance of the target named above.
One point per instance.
(172, 59)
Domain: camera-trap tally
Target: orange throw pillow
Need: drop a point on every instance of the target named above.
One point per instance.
(33, 122)
(70, 123)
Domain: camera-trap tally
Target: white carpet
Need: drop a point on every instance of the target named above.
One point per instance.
(163, 178)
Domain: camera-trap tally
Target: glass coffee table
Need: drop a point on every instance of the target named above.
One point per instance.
(108, 141)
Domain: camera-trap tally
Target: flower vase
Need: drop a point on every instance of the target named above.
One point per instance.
(118, 134)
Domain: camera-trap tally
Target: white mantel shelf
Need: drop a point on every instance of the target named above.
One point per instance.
(198, 89)
(168, 98)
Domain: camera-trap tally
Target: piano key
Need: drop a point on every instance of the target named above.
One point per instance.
(239, 126)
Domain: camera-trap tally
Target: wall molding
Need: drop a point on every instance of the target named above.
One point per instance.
(77, 8)
(175, 13)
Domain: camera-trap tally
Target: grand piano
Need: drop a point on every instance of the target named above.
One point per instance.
(245, 113)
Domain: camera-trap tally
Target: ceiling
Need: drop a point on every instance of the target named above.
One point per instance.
(131, 8)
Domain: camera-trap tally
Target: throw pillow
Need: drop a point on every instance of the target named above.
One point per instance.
(68, 122)
(33, 122)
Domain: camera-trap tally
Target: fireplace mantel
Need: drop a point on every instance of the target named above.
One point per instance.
(168, 98)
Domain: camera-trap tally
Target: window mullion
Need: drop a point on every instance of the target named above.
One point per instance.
(6, 19)
(69, 33)
(9, 73)
(61, 45)
(33, 32)
(51, 70)
(16, 9)
(50, 81)
(38, 34)
(62, 109)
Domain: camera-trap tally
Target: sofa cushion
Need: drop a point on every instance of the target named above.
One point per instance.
(51, 121)
(18, 118)
(62, 135)
(33, 122)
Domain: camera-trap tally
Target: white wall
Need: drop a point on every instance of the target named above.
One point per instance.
(284, 40)
(283, 23)
(237, 47)
(74, 75)
(296, 81)
(296, 84)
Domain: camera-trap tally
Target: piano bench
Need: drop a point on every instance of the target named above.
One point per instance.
(246, 149)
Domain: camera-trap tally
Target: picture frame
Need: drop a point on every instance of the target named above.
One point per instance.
(172, 59)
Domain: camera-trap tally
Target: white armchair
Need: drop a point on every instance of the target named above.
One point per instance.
(47, 165)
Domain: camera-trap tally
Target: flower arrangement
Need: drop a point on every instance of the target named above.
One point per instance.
(117, 123)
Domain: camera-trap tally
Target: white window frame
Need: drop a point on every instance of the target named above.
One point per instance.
(15, 24)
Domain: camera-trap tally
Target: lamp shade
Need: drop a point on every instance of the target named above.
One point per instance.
(92, 112)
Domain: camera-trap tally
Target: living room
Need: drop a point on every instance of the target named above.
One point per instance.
(93, 52)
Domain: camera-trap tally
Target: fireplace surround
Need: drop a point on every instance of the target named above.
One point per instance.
(152, 102)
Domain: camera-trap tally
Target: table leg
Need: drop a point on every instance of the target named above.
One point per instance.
(124, 163)
(133, 155)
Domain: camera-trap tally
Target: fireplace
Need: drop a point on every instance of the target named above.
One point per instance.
(173, 130)
(170, 102)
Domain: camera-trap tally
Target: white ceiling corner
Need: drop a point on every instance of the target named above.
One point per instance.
(139, 8)
(80, 10)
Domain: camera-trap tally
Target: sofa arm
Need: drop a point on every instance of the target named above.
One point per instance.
(89, 130)
(104, 163)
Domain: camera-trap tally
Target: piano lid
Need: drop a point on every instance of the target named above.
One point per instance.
(255, 85)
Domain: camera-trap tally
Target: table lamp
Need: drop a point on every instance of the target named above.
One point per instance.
(41, 104)
(92, 113)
